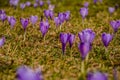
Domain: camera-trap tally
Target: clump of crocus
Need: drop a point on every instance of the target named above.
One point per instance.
(115, 25)
(96, 76)
(84, 12)
(24, 23)
(33, 19)
(64, 39)
(3, 17)
(44, 26)
(111, 10)
(12, 21)
(86, 4)
(26, 73)
(14, 3)
(86, 35)
(28, 3)
(71, 39)
(22, 5)
(49, 13)
(106, 39)
(2, 41)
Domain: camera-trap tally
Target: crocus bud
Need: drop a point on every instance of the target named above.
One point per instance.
(84, 12)
(24, 23)
(12, 21)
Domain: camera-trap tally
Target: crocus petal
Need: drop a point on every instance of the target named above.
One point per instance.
(84, 48)
(71, 39)
(33, 19)
(2, 41)
(57, 21)
(96, 76)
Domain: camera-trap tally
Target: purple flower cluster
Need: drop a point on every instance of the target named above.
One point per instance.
(66, 37)
(61, 18)
(14, 2)
(49, 13)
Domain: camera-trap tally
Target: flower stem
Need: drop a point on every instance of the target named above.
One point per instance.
(24, 36)
(82, 67)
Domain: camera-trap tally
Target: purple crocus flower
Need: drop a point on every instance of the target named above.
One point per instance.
(35, 5)
(48, 13)
(51, 7)
(25, 73)
(84, 12)
(3, 17)
(115, 75)
(67, 15)
(115, 25)
(84, 49)
(12, 21)
(95, 1)
(106, 38)
(33, 19)
(111, 10)
(71, 39)
(2, 12)
(64, 39)
(28, 3)
(2, 41)
(48, 2)
(61, 17)
(86, 35)
(24, 23)
(41, 3)
(14, 2)
(44, 26)
(57, 21)
(96, 76)
(86, 4)
(37, 1)
(22, 6)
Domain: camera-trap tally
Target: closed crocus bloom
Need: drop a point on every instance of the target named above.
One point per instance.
(86, 35)
(33, 19)
(61, 17)
(3, 17)
(115, 25)
(84, 12)
(111, 10)
(71, 39)
(84, 49)
(46, 13)
(35, 5)
(22, 5)
(2, 41)
(48, 2)
(86, 4)
(57, 21)
(11, 21)
(41, 3)
(96, 76)
(28, 3)
(44, 26)
(64, 39)
(24, 23)
(106, 38)
(25, 73)
(67, 15)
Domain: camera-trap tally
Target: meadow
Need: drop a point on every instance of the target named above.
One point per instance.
(29, 47)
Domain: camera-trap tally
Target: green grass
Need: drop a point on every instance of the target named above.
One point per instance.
(47, 54)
